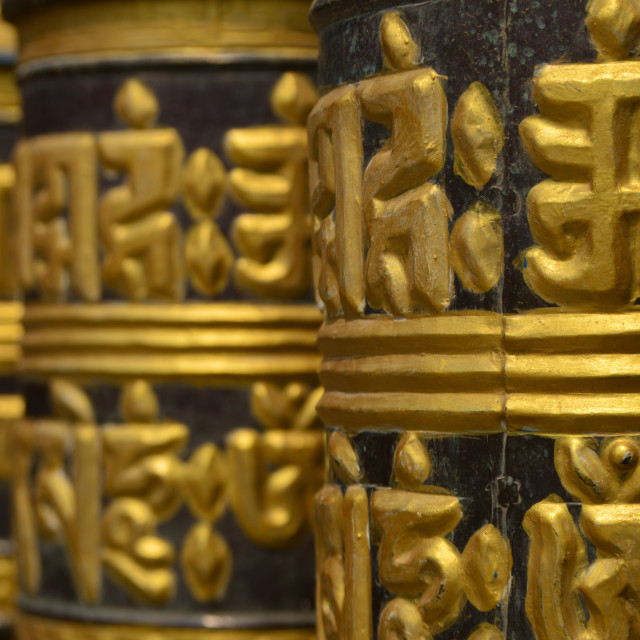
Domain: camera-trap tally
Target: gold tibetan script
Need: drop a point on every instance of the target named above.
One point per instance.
(101, 491)
(142, 241)
(274, 475)
(56, 179)
(569, 596)
(381, 235)
(273, 180)
(429, 580)
(585, 218)
(73, 241)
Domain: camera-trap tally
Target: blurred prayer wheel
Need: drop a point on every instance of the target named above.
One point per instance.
(11, 402)
(476, 208)
(165, 469)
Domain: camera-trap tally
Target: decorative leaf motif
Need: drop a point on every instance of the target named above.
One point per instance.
(205, 483)
(614, 26)
(411, 462)
(487, 565)
(204, 184)
(292, 407)
(70, 402)
(209, 258)
(478, 137)
(344, 459)
(139, 402)
(477, 248)
(293, 97)
(136, 104)
(399, 50)
(206, 562)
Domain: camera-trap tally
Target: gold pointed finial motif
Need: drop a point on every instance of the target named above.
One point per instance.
(614, 26)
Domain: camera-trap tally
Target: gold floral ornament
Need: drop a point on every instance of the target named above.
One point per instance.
(429, 579)
(272, 180)
(208, 254)
(567, 594)
(142, 240)
(274, 475)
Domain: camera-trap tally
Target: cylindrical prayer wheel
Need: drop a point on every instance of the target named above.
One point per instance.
(476, 202)
(11, 402)
(165, 471)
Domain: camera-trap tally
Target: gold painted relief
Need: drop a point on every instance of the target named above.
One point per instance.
(406, 216)
(478, 136)
(9, 286)
(57, 174)
(100, 492)
(141, 240)
(37, 628)
(477, 247)
(208, 256)
(52, 503)
(381, 234)
(272, 179)
(429, 579)
(226, 343)
(273, 476)
(568, 594)
(584, 219)
(74, 241)
(212, 30)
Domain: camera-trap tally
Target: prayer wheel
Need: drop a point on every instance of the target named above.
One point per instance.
(165, 469)
(475, 196)
(11, 402)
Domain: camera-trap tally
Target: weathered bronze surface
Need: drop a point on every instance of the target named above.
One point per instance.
(164, 474)
(475, 198)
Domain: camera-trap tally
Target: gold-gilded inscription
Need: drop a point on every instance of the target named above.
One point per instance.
(406, 215)
(381, 234)
(9, 285)
(73, 240)
(272, 179)
(568, 595)
(142, 240)
(429, 579)
(56, 177)
(59, 506)
(584, 219)
(273, 476)
(101, 492)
